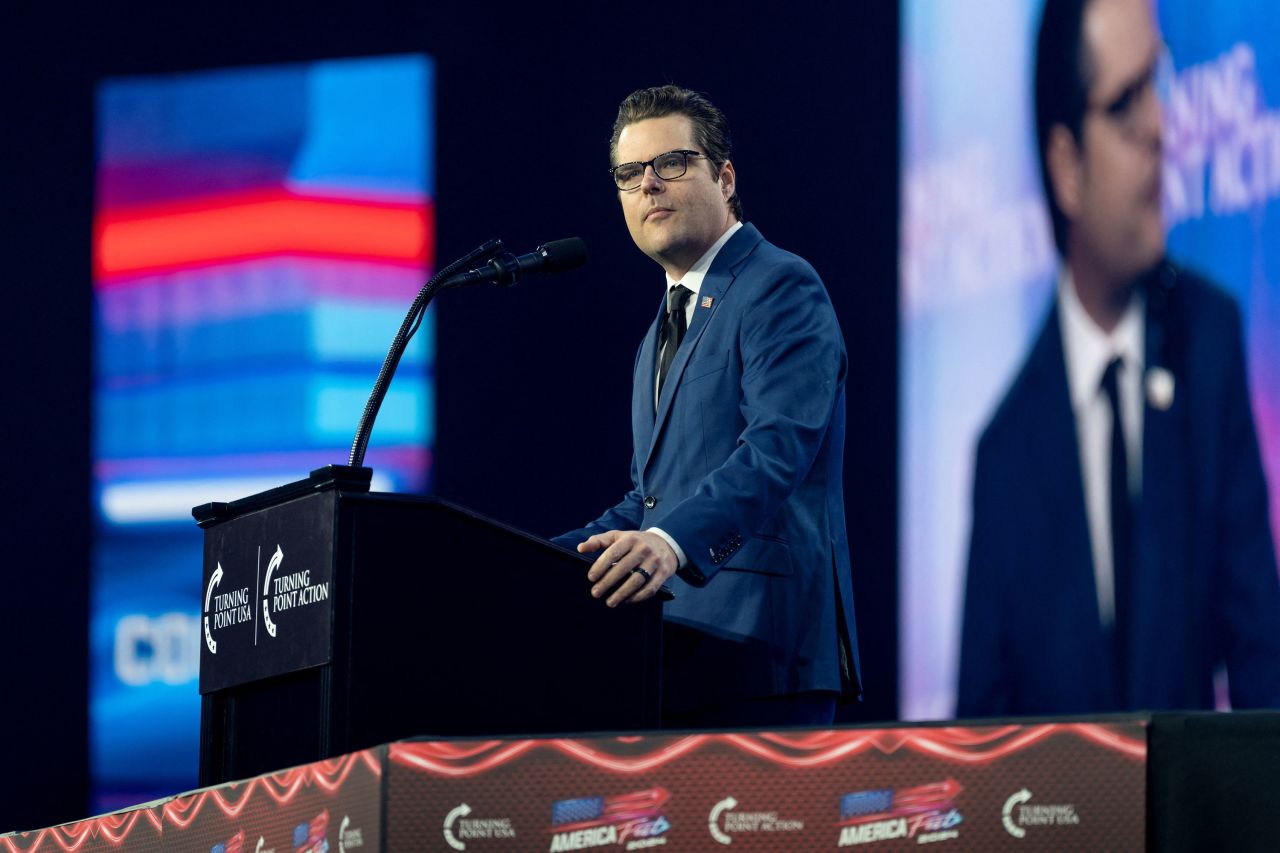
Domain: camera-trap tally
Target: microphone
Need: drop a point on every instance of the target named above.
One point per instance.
(506, 269)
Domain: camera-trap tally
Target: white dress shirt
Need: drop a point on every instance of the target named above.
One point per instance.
(692, 280)
(1088, 350)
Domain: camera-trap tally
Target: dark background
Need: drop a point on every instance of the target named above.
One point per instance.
(533, 383)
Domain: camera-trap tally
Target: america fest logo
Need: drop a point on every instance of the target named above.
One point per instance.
(925, 813)
(312, 836)
(234, 844)
(632, 821)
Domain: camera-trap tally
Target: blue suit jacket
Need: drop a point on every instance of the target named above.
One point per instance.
(1205, 583)
(742, 464)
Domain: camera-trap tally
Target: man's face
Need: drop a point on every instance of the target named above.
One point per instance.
(673, 221)
(1118, 223)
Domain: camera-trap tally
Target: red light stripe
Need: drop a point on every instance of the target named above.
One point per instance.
(953, 744)
(264, 223)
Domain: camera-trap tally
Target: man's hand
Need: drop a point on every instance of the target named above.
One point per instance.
(616, 571)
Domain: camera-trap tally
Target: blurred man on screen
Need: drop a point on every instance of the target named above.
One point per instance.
(1120, 550)
(738, 410)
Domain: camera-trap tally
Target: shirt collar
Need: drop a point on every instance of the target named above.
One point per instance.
(1088, 349)
(693, 278)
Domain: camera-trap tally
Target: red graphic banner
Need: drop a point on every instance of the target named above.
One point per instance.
(1049, 786)
(1011, 787)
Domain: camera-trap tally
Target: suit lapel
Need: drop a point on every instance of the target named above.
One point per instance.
(1163, 530)
(697, 326)
(715, 286)
(646, 379)
(1056, 457)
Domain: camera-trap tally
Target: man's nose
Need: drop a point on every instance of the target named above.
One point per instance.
(651, 183)
(1157, 125)
(1150, 124)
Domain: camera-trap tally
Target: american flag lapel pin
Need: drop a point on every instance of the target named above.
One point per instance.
(707, 300)
(1160, 387)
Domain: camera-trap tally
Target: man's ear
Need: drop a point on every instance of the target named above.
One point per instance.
(728, 180)
(1065, 163)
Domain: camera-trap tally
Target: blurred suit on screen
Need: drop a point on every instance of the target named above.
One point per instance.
(1077, 602)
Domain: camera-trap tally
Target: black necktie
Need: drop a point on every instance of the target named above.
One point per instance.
(673, 329)
(1121, 527)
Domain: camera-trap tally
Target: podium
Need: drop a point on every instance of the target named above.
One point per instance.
(336, 619)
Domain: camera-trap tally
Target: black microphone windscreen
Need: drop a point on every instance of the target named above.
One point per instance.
(561, 255)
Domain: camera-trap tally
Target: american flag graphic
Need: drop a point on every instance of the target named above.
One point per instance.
(235, 844)
(584, 812)
(868, 806)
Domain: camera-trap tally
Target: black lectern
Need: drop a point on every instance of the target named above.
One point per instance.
(336, 619)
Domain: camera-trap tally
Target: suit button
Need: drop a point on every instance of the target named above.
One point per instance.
(650, 502)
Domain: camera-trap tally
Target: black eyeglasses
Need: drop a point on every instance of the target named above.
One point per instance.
(1125, 108)
(668, 166)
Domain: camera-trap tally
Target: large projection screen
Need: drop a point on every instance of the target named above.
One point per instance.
(258, 235)
(978, 261)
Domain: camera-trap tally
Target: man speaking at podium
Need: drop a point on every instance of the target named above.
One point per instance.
(738, 418)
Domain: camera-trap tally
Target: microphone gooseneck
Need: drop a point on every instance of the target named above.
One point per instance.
(501, 268)
(506, 269)
(401, 341)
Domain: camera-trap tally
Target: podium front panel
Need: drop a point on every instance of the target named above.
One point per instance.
(268, 592)
(397, 616)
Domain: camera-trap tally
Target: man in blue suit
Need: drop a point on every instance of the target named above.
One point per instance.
(1120, 550)
(738, 419)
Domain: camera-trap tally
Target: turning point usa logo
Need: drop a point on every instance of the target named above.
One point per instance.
(281, 591)
(633, 821)
(926, 813)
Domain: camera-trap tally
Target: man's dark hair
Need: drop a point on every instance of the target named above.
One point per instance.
(710, 127)
(1063, 76)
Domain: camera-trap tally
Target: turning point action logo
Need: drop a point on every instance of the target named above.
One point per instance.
(276, 559)
(279, 592)
(349, 837)
(286, 592)
(741, 822)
